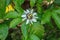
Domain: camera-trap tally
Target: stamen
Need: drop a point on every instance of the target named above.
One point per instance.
(29, 16)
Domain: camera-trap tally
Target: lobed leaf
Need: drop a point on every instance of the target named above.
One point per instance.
(34, 37)
(56, 19)
(38, 29)
(46, 17)
(24, 29)
(32, 3)
(12, 14)
(15, 22)
(3, 31)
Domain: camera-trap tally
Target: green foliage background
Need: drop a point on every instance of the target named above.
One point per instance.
(47, 27)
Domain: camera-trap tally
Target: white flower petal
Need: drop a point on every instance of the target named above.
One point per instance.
(32, 11)
(27, 11)
(31, 21)
(27, 21)
(34, 14)
(24, 19)
(35, 17)
(23, 16)
(34, 20)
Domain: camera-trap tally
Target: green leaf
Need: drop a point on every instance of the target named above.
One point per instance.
(46, 17)
(56, 19)
(38, 29)
(39, 1)
(24, 29)
(21, 10)
(2, 8)
(3, 31)
(57, 10)
(58, 38)
(57, 2)
(39, 9)
(34, 37)
(8, 2)
(12, 14)
(15, 22)
(32, 3)
(18, 4)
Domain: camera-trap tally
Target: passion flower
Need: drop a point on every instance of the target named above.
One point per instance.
(29, 16)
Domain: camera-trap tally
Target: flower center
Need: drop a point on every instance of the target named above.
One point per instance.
(29, 16)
